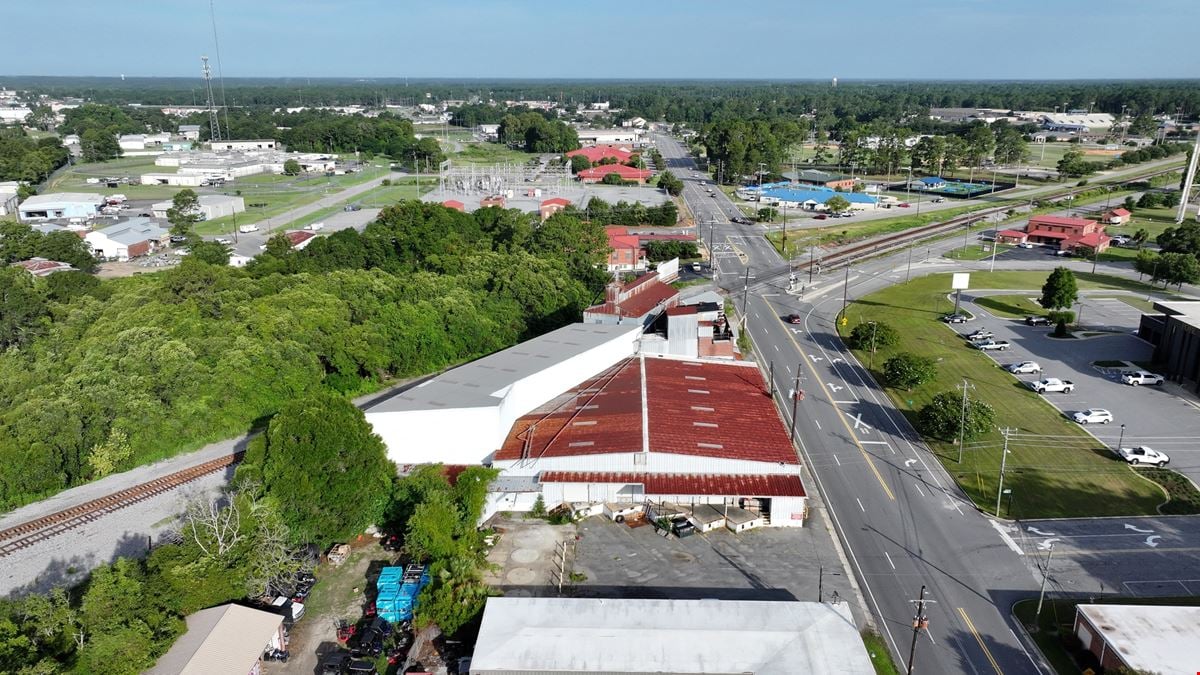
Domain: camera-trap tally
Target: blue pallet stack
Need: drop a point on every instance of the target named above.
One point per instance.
(398, 588)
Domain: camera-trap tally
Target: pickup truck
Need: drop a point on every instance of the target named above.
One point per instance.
(981, 334)
(1144, 455)
(1052, 384)
(1139, 377)
(991, 345)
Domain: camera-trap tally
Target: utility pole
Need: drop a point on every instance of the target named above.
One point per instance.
(845, 294)
(1042, 593)
(1003, 462)
(874, 326)
(920, 621)
(962, 422)
(771, 379)
(908, 272)
(745, 291)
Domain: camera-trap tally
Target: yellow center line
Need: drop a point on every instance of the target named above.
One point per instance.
(840, 414)
(971, 627)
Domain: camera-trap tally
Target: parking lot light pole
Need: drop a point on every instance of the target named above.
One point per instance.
(1122, 439)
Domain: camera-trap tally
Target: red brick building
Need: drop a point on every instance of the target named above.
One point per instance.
(1068, 234)
(455, 204)
(638, 301)
(1140, 638)
(494, 200)
(552, 206)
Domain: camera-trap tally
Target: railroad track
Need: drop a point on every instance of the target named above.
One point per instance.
(26, 534)
(890, 242)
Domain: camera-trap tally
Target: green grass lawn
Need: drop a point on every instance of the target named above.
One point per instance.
(1057, 475)
(975, 251)
(881, 658)
(840, 231)
(489, 154)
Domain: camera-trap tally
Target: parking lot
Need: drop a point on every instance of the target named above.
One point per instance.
(613, 560)
(1166, 417)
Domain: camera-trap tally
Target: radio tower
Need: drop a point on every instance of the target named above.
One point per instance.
(214, 125)
(1187, 182)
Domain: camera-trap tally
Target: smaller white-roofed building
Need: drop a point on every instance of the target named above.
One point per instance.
(211, 206)
(463, 416)
(8, 197)
(129, 239)
(226, 639)
(1141, 638)
(681, 637)
(61, 205)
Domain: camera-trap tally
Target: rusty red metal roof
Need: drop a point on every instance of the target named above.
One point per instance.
(716, 485)
(596, 153)
(641, 303)
(625, 172)
(694, 408)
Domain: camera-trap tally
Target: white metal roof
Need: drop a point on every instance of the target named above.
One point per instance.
(484, 382)
(56, 198)
(1149, 638)
(584, 635)
(224, 639)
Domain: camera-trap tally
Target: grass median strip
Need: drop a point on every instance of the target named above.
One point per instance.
(1055, 469)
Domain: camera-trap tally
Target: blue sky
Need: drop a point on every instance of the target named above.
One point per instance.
(801, 39)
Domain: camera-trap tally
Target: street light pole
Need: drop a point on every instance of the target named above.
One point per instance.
(845, 293)
(796, 394)
(1122, 439)
(1045, 575)
(1003, 462)
(962, 422)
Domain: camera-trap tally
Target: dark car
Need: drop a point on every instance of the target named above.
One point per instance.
(820, 216)
(352, 207)
(1037, 321)
(793, 318)
(954, 318)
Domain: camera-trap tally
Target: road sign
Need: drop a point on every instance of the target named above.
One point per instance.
(960, 281)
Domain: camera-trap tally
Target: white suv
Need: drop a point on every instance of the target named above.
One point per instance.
(1025, 367)
(1093, 416)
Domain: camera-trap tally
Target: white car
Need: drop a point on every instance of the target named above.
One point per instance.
(225, 242)
(1144, 455)
(1024, 368)
(1139, 377)
(1024, 244)
(1093, 416)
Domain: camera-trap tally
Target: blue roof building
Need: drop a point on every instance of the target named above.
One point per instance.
(814, 197)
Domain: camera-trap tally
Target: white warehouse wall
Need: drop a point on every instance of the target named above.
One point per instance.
(448, 435)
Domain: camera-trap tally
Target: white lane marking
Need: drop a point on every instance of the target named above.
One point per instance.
(776, 347)
(860, 506)
(1045, 545)
(859, 424)
(1137, 529)
(909, 462)
(818, 424)
(846, 402)
(838, 461)
(1151, 540)
(834, 387)
(873, 442)
(815, 358)
(1008, 540)
(1039, 532)
(918, 486)
(885, 553)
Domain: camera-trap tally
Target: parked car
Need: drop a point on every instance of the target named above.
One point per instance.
(1120, 240)
(981, 334)
(1144, 455)
(1037, 321)
(352, 207)
(1051, 385)
(938, 200)
(247, 229)
(904, 205)
(224, 241)
(314, 227)
(955, 318)
(1024, 244)
(696, 267)
(793, 318)
(991, 345)
(1063, 254)
(178, 239)
(820, 216)
(1140, 377)
(1024, 367)
(1093, 416)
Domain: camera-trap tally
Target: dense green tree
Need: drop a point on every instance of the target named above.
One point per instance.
(873, 336)
(837, 204)
(1011, 146)
(98, 145)
(929, 154)
(184, 212)
(24, 313)
(981, 143)
(24, 159)
(943, 418)
(1179, 268)
(325, 468)
(1073, 165)
(1060, 290)
(580, 163)
(658, 251)
(1184, 238)
(291, 168)
(907, 370)
(1143, 124)
(41, 116)
(532, 132)
(210, 252)
(669, 182)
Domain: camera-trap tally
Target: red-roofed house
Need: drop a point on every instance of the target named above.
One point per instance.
(1117, 216)
(552, 206)
(40, 267)
(637, 302)
(598, 152)
(626, 254)
(660, 430)
(300, 238)
(597, 173)
(1067, 233)
(455, 204)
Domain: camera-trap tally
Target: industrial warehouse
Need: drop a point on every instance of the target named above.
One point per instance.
(586, 420)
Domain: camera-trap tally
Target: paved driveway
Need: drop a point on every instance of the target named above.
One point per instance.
(1165, 417)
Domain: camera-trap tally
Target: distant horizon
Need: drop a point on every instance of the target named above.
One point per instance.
(667, 40)
(394, 79)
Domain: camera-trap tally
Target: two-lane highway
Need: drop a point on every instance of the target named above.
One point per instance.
(903, 522)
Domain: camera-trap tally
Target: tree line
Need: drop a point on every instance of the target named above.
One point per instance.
(31, 161)
(196, 354)
(533, 132)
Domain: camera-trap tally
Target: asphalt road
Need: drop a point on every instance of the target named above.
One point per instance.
(901, 519)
